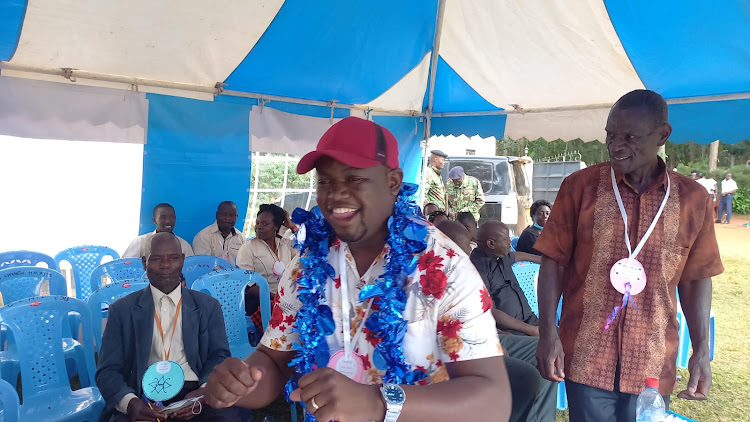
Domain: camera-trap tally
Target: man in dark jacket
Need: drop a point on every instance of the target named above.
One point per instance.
(161, 322)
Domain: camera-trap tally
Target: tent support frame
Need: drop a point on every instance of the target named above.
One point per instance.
(431, 92)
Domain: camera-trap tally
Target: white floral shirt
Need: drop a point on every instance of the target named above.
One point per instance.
(448, 308)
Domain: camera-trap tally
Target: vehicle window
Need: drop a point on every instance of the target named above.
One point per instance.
(482, 170)
(502, 185)
(522, 186)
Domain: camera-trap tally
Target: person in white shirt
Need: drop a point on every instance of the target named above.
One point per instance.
(728, 188)
(221, 238)
(164, 218)
(162, 322)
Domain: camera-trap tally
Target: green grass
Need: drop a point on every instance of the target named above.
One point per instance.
(729, 399)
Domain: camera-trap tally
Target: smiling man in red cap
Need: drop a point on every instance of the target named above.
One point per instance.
(450, 341)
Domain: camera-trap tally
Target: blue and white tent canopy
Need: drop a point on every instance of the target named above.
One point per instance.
(202, 83)
(508, 61)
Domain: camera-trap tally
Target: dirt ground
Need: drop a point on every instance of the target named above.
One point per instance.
(734, 238)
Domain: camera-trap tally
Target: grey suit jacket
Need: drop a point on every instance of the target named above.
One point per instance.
(126, 342)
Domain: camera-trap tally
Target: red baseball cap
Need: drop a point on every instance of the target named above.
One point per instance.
(355, 142)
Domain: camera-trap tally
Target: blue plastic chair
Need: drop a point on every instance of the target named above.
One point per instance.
(684, 344)
(117, 271)
(37, 324)
(527, 274)
(106, 295)
(513, 243)
(25, 259)
(84, 259)
(228, 287)
(198, 265)
(11, 405)
(22, 282)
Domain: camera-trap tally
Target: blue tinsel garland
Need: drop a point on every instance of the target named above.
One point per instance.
(315, 320)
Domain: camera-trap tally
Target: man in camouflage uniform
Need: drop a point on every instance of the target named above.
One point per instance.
(463, 193)
(435, 192)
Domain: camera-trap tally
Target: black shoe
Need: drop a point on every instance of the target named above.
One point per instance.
(717, 221)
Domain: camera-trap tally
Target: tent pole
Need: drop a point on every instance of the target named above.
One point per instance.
(431, 92)
(74, 74)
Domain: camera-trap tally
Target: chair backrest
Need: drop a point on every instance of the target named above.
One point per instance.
(84, 259)
(198, 265)
(21, 282)
(228, 287)
(527, 273)
(10, 401)
(25, 259)
(37, 327)
(514, 243)
(118, 271)
(107, 295)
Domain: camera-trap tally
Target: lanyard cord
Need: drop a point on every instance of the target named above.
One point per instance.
(634, 253)
(174, 326)
(345, 322)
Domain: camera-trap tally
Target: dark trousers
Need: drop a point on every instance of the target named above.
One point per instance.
(542, 405)
(590, 404)
(208, 413)
(725, 205)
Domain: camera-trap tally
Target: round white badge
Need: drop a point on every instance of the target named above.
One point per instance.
(351, 367)
(628, 271)
(278, 268)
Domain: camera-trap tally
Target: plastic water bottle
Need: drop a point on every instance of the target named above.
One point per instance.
(650, 404)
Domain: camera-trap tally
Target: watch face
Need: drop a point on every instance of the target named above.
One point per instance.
(394, 394)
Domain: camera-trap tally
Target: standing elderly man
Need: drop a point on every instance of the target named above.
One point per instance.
(427, 334)
(221, 238)
(435, 192)
(463, 193)
(728, 189)
(623, 233)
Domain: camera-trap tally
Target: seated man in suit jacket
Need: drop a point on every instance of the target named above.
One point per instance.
(192, 334)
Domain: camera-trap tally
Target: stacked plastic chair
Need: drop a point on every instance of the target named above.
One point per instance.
(198, 265)
(228, 287)
(19, 283)
(37, 325)
(25, 259)
(11, 406)
(84, 259)
(117, 271)
(527, 274)
(106, 295)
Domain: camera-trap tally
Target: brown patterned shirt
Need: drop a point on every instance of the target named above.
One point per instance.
(585, 234)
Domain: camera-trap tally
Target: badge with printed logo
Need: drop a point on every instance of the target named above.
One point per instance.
(163, 380)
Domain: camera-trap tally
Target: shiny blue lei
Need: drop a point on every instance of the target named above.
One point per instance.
(315, 319)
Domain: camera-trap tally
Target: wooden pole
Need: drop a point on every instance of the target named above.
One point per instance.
(713, 156)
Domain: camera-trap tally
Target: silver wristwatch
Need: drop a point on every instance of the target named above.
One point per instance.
(394, 397)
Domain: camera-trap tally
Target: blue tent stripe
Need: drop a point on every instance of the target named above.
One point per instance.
(683, 51)
(340, 50)
(293, 108)
(12, 13)
(484, 126)
(704, 123)
(197, 155)
(452, 93)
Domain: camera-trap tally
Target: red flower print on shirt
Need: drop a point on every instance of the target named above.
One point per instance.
(454, 356)
(433, 282)
(486, 299)
(365, 362)
(449, 327)
(277, 316)
(290, 320)
(281, 291)
(371, 337)
(451, 253)
(337, 282)
(430, 260)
